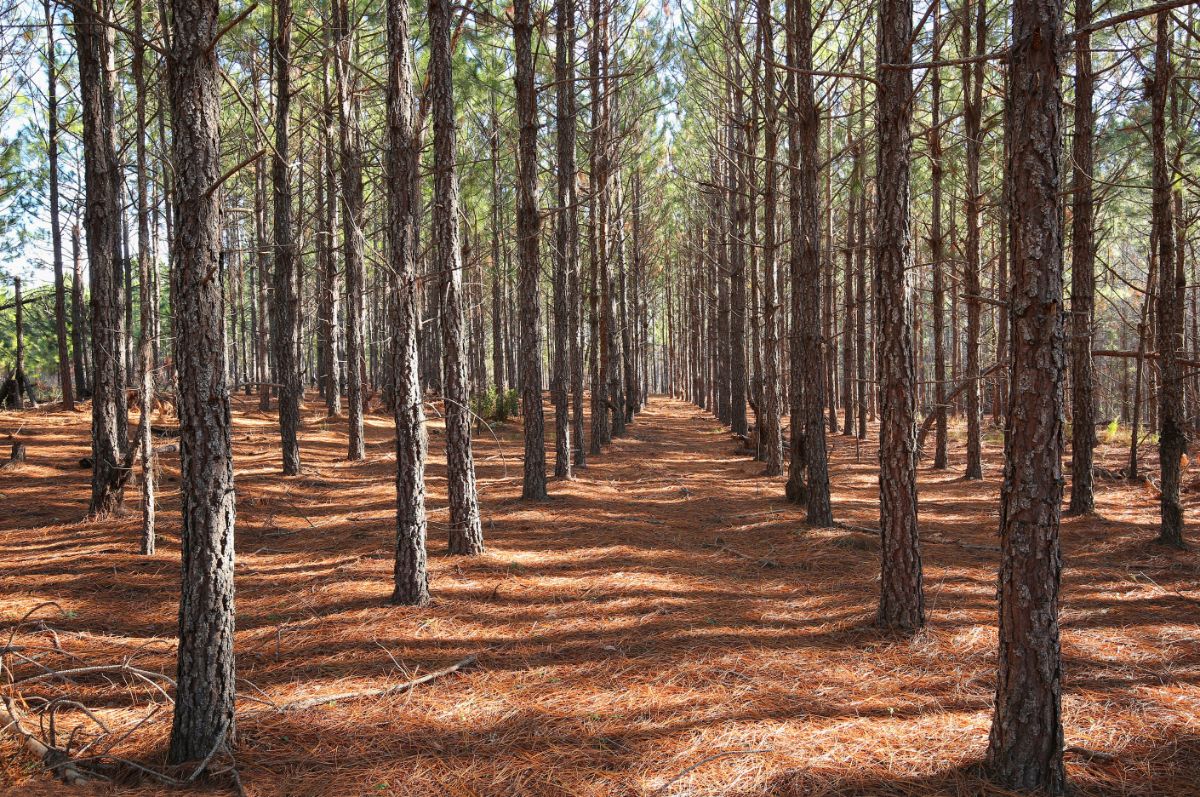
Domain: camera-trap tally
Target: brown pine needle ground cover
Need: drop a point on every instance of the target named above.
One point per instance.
(664, 625)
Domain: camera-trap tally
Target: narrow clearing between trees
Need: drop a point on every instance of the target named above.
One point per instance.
(665, 624)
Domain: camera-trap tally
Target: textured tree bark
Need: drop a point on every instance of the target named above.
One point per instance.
(735, 187)
(972, 74)
(566, 241)
(809, 477)
(1025, 750)
(60, 298)
(720, 254)
(145, 315)
(285, 302)
(1083, 273)
(769, 428)
(534, 482)
(263, 266)
(1172, 438)
(938, 253)
(865, 390)
(204, 700)
(102, 175)
(901, 602)
(410, 573)
(497, 265)
(466, 532)
(328, 306)
(350, 141)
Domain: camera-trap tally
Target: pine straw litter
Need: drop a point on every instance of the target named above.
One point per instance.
(665, 625)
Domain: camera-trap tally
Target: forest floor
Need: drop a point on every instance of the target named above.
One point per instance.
(665, 624)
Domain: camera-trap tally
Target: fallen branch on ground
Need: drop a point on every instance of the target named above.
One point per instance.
(707, 759)
(319, 700)
(936, 540)
(720, 545)
(55, 759)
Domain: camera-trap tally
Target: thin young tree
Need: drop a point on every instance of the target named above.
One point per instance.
(534, 483)
(972, 80)
(901, 601)
(60, 299)
(566, 240)
(204, 697)
(410, 571)
(1025, 750)
(146, 310)
(285, 303)
(1172, 438)
(1083, 271)
(466, 532)
(350, 141)
(771, 438)
(937, 249)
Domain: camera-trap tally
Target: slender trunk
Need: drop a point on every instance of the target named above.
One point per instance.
(566, 253)
(60, 299)
(350, 140)
(330, 328)
(1083, 276)
(972, 114)
(770, 431)
(78, 317)
(534, 481)
(938, 254)
(285, 302)
(1172, 438)
(466, 532)
(401, 160)
(146, 322)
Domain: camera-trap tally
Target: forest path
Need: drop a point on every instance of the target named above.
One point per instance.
(618, 647)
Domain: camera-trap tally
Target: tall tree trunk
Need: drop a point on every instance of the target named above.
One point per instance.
(901, 603)
(403, 195)
(1026, 746)
(809, 479)
(1083, 273)
(938, 253)
(534, 482)
(350, 140)
(285, 302)
(735, 188)
(466, 532)
(204, 699)
(1172, 438)
(600, 309)
(497, 267)
(102, 220)
(972, 114)
(146, 321)
(328, 306)
(769, 428)
(566, 242)
(60, 299)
